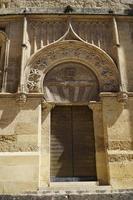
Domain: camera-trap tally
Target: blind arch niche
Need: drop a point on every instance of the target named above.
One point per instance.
(71, 82)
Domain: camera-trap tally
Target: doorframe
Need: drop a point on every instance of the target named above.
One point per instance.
(44, 149)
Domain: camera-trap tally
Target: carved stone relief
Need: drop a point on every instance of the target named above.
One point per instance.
(33, 80)
(75, 51)
(95, 31)
(120, 157)
(63, 3)
(8, 143)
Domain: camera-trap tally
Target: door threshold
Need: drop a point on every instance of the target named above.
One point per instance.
(72, 187)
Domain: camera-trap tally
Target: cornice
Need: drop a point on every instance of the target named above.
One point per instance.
(60, 11)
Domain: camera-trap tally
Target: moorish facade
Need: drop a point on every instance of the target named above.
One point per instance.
(66, 95)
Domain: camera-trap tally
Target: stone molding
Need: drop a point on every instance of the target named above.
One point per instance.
(122, 97)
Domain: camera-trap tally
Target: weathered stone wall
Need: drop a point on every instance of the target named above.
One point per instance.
(126, 48)
(19, 157)
(14, 32)
(19, 172)
(18, 126)
(119, 141)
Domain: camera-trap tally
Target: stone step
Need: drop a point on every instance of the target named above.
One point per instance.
(127, 195)
(73, 187)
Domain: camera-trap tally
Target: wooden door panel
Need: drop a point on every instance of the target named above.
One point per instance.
(83, 142)
(72, 143)
(61, 142)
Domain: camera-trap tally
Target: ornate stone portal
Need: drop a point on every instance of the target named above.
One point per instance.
(70, 72)
(72, 51)
(73, 64)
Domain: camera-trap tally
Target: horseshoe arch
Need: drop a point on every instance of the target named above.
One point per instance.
(83, 58)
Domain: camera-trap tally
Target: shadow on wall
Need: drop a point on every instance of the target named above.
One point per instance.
(113, 114)
(8, 116)
(9, 113)
(131, 122)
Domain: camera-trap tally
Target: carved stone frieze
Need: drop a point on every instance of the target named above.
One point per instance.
(97, 60)
(8, 143)
(120, 157)
(120, 145)
(62, 3)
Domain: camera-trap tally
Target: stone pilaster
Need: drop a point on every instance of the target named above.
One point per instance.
(44, 166)
(101, 161)
(23, 56)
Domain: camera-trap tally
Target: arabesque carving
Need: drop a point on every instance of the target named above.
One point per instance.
(33, 80)
(76, 51)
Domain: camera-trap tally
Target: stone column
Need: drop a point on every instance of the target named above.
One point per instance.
(44, 165)
(101, 161)
(23, 56)
(4, 83)
(120, 58)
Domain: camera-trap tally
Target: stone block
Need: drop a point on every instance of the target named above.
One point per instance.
(121, 170)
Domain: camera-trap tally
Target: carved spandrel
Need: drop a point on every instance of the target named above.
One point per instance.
(33, 80)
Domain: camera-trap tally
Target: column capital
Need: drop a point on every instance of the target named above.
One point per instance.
(122, 97)
(47, 105)
(95, 106)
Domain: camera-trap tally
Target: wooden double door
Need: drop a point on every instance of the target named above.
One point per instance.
(72, 144)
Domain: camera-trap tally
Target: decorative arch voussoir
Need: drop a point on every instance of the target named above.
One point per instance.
(76, 51)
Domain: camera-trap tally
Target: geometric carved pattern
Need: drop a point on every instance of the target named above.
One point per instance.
(63, 51)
